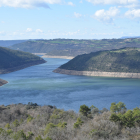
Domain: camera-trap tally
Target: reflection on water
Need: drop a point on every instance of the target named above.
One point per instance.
(38, 84)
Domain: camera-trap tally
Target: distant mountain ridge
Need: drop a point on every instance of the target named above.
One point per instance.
(7, 43)
(126, 37)
(74, 47)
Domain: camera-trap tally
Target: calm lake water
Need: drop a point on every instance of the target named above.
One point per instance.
(38, 84)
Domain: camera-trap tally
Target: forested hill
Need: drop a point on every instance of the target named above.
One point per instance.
(121, 60)
(74, 47)
(12, 60)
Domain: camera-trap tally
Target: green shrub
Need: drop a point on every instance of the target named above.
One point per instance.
(62, 125)
(30, 135)
(1, 130)
(78, 123)
(29, 119)
(7, 126)
(16, 123)
(48, 127)
(38, 138)
(19, 135)
(92, 132)
(9, 131)
(48, 138)
(84, 110)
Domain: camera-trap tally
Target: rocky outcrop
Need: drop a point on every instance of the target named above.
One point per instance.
(98, 73)
(4, 71)
(3, 82)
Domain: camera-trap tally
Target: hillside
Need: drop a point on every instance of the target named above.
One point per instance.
(74, 47)
(125, 60)
(33, 122)
(12, 60)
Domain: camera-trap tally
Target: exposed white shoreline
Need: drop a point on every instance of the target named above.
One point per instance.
(39, 53)
(62, 57)
(97, 73)
(53, 56)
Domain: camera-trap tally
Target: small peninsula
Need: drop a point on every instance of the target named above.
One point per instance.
(3, 82)
(13, 60)
(123, 62)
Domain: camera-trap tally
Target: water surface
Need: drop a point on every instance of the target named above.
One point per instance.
(38, 84)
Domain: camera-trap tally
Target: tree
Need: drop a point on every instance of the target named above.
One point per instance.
(121, 106)
(84, 110)
(113, 107)
(94, 110)
(136, 114)
(117, 107)
(114, 117)
(128, 119)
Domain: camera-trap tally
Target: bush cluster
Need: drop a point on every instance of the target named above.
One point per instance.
(21, 122)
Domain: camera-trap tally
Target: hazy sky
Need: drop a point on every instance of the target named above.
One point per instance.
(76, 19)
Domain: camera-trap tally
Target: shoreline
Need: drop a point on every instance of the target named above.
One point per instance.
(62, 57)
(3, 82)
(39, 53)
(98, 74)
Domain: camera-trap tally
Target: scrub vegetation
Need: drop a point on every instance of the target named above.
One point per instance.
(74, 47)
(119, 60)
(33, 122)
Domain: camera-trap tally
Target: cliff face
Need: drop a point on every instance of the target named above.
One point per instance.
(2, 82)
(97, 73)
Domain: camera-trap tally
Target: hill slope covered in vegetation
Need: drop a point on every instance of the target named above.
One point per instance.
(74, 47)
(33, 122)
(12, 60)
(121, 60)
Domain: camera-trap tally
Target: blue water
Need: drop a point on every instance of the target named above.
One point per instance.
(38, 84)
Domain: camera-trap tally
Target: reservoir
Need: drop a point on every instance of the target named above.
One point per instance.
(38, 84)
